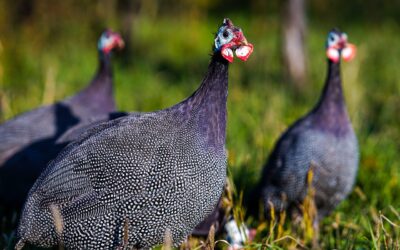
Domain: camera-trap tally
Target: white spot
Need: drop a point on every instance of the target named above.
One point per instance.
(243, 52)
(349, 52)
(333, 54)
(227, 53)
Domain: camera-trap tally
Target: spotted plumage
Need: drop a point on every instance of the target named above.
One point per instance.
(144, 174)
(322, 141)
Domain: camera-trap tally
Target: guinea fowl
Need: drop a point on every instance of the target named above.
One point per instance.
(322, 141)
(130, 181)
(28, 140)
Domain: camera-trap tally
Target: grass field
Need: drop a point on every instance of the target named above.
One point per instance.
(166, 62)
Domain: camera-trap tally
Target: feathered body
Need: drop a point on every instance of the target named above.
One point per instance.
(147, 174)
(149, 159)
(28, 142)
(324, 142)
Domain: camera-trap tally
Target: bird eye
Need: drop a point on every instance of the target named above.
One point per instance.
(223, 37)
(332, 39)
(225, 34)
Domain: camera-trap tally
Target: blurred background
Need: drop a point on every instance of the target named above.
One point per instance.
(48, 51)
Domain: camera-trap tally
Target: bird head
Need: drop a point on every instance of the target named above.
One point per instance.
(110, 40)
(337, 45)
(230, 38)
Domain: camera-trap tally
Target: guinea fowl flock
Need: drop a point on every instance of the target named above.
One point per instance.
(94, 178)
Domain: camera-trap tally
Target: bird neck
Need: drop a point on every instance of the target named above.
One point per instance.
(331, 113)
(102, 82)
(105, 64)
(333, 84)
(103, 79)
(98, 95)
(208, 102)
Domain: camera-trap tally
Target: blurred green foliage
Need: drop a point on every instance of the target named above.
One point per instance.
(48, 52)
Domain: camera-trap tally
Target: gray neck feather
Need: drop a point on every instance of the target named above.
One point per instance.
(330, 114)
(208, 103)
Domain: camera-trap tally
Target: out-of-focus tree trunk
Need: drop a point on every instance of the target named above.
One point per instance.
(293, 30)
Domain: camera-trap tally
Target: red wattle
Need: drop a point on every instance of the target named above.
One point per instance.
(349, 52)
(227, 53)
(107, 49)
(244, 51)
(333, 54)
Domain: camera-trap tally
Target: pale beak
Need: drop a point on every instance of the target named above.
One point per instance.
(120, 43)
(244, 41)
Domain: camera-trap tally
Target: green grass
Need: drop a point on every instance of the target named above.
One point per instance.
(168, 59)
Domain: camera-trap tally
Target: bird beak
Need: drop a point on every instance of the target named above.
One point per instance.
(120, 44)
(342, 44)
(240, 39)
(244, 49)
(244, 41)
